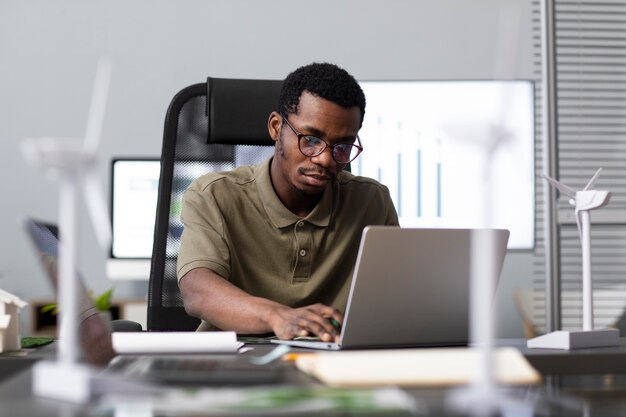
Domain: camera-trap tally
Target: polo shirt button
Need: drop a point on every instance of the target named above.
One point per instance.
(302, 252)
(300, 224)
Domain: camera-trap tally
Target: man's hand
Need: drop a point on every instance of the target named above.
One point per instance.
(314, 320)
(214, 299)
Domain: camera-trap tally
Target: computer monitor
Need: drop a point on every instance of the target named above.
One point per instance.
(134, 191)
(455, 154)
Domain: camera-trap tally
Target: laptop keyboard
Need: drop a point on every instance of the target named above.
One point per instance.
(173, 365)
(184, 370)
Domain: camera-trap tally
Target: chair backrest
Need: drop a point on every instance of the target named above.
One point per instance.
(209, 127)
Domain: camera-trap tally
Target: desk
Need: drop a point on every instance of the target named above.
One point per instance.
(603, 395)
(12, 363)
(595, 361)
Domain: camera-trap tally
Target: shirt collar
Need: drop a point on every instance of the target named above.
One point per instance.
(280, 215)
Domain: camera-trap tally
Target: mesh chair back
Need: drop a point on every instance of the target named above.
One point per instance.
(209, 127)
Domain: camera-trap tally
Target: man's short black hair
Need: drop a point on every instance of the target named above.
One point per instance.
(324, 80)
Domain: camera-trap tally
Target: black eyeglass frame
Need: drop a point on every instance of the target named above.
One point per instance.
(299, 135)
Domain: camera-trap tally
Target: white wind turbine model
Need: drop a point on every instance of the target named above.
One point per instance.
(72, 161)
(583, 201)
(483, 397)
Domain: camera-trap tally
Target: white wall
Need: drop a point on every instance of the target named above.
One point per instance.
(49, 51)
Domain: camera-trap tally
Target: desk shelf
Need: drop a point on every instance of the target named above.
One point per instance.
(45, 323)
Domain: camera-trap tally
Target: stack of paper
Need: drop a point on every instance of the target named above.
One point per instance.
(413, 367)
(175, 342)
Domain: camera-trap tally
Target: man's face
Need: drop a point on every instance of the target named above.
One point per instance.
(317, 117)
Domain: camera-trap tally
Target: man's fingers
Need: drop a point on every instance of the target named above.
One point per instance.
(329, 319)
(334, 316)
(314, 320)
(322, 329)
(292, 331)
(324, 310)
(310, 323)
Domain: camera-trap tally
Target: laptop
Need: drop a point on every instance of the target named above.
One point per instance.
(410, 288)
(95, 329)
(166, 364)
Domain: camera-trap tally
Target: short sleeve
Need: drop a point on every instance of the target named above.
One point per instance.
(203, 243)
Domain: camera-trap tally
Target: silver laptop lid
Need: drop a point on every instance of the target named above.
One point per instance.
(411, 287)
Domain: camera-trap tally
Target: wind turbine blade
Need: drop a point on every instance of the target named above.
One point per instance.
(561, 187)
(97, 207)
(593, 180)
(97, 106)
(580, 231)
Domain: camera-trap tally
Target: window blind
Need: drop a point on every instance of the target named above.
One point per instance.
(590, 65)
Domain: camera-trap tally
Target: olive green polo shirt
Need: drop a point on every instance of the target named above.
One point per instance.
(236, 226)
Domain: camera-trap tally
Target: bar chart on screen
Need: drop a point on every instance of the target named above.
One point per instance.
(453, 153)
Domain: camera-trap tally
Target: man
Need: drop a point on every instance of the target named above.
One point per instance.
(272, 247)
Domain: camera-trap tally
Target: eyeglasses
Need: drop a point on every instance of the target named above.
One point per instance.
(343, 153)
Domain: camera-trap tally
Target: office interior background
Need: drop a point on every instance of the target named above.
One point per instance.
(50, 52)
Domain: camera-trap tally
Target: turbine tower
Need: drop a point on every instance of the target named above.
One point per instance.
(72, 162)
(583, 202)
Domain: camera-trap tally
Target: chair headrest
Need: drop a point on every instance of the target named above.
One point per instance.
(238, 110)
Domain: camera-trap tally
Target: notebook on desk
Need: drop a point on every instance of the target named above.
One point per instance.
(410, 288)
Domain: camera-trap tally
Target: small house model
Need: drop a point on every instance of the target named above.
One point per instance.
(10, 306)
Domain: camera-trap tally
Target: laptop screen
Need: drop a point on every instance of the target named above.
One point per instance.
(94, 330)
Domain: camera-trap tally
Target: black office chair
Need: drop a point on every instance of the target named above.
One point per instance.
(213, 126)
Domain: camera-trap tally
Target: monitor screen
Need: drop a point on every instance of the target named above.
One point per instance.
(456, 154)
(134, 191)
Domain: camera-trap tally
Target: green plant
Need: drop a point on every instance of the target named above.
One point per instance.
(102, 302)
(52, 308)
